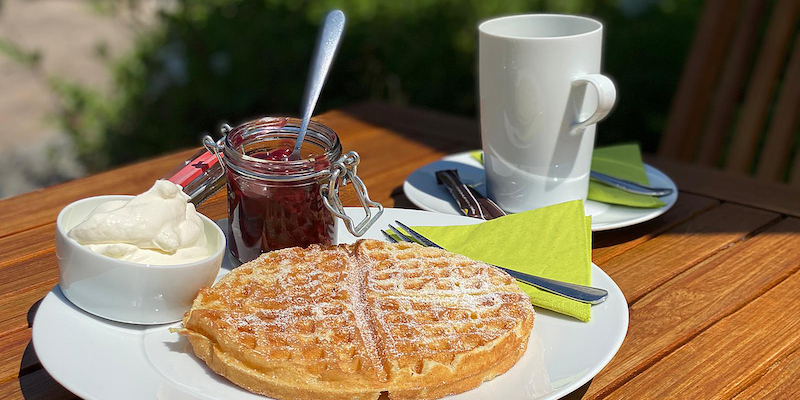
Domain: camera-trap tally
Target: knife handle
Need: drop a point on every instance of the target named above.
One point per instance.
(469, 201)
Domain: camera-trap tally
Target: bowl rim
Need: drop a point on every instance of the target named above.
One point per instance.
(130, 264)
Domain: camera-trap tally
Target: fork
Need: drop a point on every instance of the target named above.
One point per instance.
(585, 294)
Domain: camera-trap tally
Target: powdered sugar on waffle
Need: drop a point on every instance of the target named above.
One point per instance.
(370, 301)
(355, 284)
(287, 302)
(432, 302)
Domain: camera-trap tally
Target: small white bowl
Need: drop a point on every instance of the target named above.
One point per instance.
(124, 291)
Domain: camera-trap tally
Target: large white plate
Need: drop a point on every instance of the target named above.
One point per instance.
(421, 188)
(98, 359)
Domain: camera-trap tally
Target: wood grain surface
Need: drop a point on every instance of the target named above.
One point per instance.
(650, 264)
(724, 359)
(779, 382)
(609, 244)
(670, 315)
(751, 192)
(711, 284)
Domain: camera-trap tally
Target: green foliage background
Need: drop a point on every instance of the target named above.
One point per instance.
(209, 62)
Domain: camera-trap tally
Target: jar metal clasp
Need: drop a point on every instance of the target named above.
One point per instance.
(343, 171)
(215, 147)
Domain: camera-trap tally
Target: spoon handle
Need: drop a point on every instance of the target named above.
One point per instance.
(324, 50)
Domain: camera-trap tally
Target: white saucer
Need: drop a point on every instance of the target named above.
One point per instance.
(421, 188)
(98, 359)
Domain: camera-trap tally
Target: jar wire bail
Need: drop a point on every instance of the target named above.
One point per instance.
(215, 147)
(344, 171)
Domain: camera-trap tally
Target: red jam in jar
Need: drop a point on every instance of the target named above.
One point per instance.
(274, 203)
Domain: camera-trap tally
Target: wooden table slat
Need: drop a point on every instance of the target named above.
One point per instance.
(15, 306)
(418, 122)
(37, 385)
(739, 189)
(728, 356)
(609, 244)
(779, 382)
(12, 348)
(671, 314)
(216, 206)
(408, 151)
(25, 273)
(382, 185)
(654, 262)
(27, 244)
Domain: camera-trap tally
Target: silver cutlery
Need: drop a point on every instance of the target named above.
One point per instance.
(585, 294)
(469, 201)
(327, 42)
(628, 186)
(473, 204)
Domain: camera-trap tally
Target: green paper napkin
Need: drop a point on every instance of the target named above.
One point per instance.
(620, 161)
(625, 162)
(552, 242)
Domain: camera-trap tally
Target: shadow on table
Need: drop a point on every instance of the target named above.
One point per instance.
(34, 382)
(443, 132)
(578, 393)
(400, 199)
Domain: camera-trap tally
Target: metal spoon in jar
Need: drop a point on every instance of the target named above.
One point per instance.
(324, 50)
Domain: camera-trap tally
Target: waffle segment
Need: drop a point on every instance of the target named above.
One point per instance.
(352, 321)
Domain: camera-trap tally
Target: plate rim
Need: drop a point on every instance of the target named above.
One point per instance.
(655, 213)
(589, 374)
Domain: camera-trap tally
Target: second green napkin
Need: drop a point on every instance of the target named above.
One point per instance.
(552, 242)
(625, 162)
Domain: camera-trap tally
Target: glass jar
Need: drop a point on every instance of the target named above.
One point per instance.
(274, 203)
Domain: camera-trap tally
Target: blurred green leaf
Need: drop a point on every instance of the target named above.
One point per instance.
(232, 60)
(29, 58)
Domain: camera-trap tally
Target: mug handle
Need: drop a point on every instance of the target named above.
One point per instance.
(606, 96)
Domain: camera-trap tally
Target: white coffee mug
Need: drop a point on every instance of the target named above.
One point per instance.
(541, 94)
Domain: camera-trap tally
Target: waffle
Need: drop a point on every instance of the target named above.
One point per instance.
(352, 321)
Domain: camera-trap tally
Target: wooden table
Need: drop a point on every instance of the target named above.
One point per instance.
(712, 285)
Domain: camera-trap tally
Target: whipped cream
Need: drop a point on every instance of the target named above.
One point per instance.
(159, 227)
